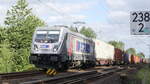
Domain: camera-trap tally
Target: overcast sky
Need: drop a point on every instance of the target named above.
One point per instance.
(108, 18)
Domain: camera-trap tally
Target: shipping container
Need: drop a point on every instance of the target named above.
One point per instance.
(132, 59)
(126, 58)
(141, 60)
(118, 56)
(147, 60)
(135, 59)
(104, 52)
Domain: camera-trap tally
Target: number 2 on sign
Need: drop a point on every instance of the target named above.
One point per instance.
(141, 27)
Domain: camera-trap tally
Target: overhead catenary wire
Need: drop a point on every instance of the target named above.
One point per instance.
(55, 9)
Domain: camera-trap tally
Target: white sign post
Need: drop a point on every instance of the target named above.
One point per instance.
(140, 22)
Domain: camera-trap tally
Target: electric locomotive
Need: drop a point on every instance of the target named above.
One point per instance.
(58, 47)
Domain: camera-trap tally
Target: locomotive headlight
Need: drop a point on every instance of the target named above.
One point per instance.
(35, 47)
(55, 48)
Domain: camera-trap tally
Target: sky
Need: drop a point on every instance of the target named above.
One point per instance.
(110, 19)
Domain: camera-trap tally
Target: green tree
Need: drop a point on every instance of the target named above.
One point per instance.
(17, 14)
(88, 32)
(2, 34)
(21, 24)
(141, 54)
(6, 65)
(117, 44)
(131, 51)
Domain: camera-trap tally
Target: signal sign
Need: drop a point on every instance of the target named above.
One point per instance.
(140, 22)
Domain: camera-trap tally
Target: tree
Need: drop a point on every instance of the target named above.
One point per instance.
(141, 54)
(6, 55)
(88, 32)
(2, 34)
(17, 14)
(131, 51)
(117, 44)
(21, 24)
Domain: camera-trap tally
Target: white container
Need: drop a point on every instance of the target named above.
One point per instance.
(103, 50)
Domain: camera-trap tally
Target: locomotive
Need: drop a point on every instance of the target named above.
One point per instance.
(58, 47)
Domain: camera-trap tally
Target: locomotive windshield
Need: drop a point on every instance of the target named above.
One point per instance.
(47, 36)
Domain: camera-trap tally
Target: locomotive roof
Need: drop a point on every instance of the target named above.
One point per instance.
(48, 28)
(80, 35)
(64, 28)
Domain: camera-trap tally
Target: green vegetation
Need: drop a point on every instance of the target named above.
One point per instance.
(6, 63)
(117, 44)
(87, 31)
(131, 51)
(141, 55)
(144, 75)
(16, 38)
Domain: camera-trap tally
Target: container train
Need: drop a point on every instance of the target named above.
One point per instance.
(58, 47)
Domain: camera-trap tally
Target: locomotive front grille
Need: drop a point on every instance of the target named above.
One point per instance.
(45, 50)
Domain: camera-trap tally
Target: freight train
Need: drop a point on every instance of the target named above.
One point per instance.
(58, 47)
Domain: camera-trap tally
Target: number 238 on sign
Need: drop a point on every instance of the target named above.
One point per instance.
(140, 22)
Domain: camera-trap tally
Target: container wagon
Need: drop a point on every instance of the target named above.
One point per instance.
(104, 53)
(118, 56)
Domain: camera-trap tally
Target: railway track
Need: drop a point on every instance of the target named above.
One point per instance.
(13, 75)
(6, 77)
(40, 77)
(78, 78)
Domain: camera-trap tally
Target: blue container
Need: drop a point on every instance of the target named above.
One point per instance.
(126, 58)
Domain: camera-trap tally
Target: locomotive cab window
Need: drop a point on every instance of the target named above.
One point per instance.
(47, 36)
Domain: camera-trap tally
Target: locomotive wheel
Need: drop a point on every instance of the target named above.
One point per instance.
(65, 67)
(62, 66)
(59, 66)
(45, 69)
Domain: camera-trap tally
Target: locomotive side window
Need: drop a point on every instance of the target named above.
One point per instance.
(47, 36)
